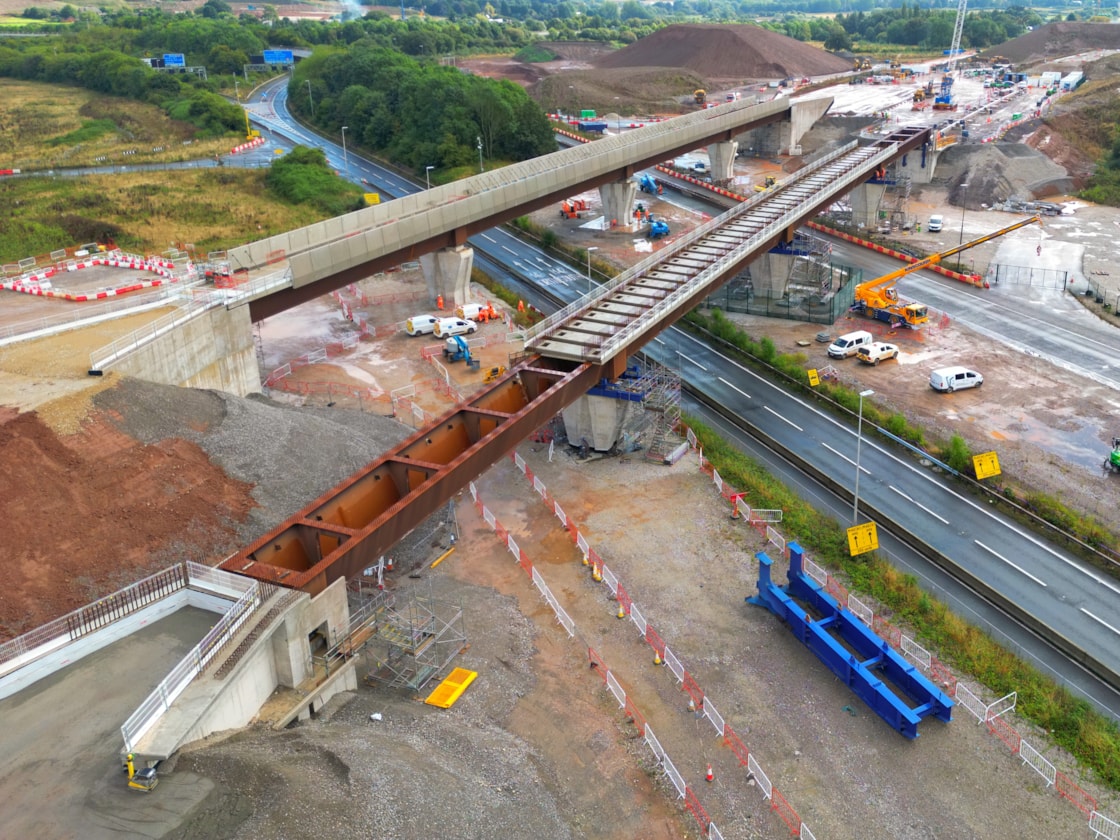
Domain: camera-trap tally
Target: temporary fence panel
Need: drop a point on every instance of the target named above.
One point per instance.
(755, 769)
(638, 619)
(1102, 826)
(692, 803)
(806, 834)
(916, 652)
(713, 832)
(766, 515)
(674, 776)
(1006, 733)
(538, 485)
(814, 571)
(731, 739)
(581, 542)
(1003, 704)
(513, 547)
(784, 810)
(474, 492)
(609, 579)
(488, 517)
(1068, 789)
(559, 511)
(616, 690)
(714, 716)
(1037, 762)
(716, 480)
(674, 664)
(517, 459)
(538, 582)
(777, 539)
(971, 702)
(654, 744)
(861, 611)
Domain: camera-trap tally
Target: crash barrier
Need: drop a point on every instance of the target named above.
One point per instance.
(244, 147)
(221, 634)
(699, 701)
(989, 714)
(84, 620)
(663, 761)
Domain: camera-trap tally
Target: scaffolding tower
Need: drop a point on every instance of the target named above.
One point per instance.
(810, 273)
(410, 640)
(662, 389)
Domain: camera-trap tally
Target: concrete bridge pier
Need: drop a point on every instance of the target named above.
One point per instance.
(918, 165)
(770, 274)
(767, 140)
(866, 200)
(596, 421)
(722, 158)
(448, 273)
(618, 200)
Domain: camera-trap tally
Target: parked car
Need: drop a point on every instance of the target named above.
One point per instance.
(876, 351)
(454, 326)
(954, 379)
(420, 324)
(936, 223)
(849, 344)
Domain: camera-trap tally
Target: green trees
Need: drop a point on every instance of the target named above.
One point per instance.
(303, 177)
(419, 114)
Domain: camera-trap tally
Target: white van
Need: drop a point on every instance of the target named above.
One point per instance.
(454, 326)
(469, 311)
(954, 379)
(848, 344)
(935, 223)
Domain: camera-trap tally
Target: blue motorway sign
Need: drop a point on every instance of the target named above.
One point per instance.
(278, 57)
(174, 60)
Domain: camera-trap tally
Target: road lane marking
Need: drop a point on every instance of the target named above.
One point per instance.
(504, 248)
(783, 419)
(1100, 621)
(658, 340)
(918, 505)
(732, 387)
(487, 238)
(840, 454)
(683, 356)
(1019, 569)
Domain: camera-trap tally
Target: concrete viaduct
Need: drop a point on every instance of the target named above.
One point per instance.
(434, 225)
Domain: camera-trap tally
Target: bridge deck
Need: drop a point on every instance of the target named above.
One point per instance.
(662, 287)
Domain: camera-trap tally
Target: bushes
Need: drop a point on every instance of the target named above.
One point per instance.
(303, 177)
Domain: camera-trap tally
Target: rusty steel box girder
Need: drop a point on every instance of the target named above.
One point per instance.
(350, 526)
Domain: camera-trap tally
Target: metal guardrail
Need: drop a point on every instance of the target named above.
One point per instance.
(103, 357)
(101, 612)
(154, 706)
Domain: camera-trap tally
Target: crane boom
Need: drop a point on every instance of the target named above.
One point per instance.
(881, 300)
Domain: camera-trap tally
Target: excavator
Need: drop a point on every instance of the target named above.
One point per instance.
(879, 299)
(700, 96)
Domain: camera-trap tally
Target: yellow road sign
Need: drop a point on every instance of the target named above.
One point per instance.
(814, 379)
(986, 464)
(372, 198)
(862, 538)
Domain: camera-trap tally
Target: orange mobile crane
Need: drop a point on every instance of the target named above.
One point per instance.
(879, 299)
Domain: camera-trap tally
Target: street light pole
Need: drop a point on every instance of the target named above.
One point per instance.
(309, 99)
(589, 250)
(345, 158)
(859, 442)
(237, 90)
(480, 167)
(963, 205)
(427, 178)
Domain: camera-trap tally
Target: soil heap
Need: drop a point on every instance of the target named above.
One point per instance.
(1057, 39)
(735, 51)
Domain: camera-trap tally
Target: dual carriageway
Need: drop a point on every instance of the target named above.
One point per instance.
(921, 512)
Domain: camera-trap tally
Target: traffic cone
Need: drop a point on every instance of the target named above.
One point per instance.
(388, 564)
(657, 657)
(596, 575)
(709, 775)
(586, 560)
(621, 610)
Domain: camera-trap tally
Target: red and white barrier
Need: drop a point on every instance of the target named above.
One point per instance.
(251, 144)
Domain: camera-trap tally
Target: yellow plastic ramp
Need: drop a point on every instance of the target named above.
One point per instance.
(451, 689)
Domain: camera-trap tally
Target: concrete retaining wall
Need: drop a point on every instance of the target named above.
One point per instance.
(214, 350)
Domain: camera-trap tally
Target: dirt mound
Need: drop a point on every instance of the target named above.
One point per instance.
(1058, 39)
(998, 172)
(585, 51)
(157, 475)
(630, 91)
(737, 51)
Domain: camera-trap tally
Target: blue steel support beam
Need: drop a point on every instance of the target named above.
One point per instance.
(864, 658)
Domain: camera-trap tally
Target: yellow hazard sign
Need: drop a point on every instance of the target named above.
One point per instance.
(814, 379)
(372, 198)
(986, 464)
(862, 538)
